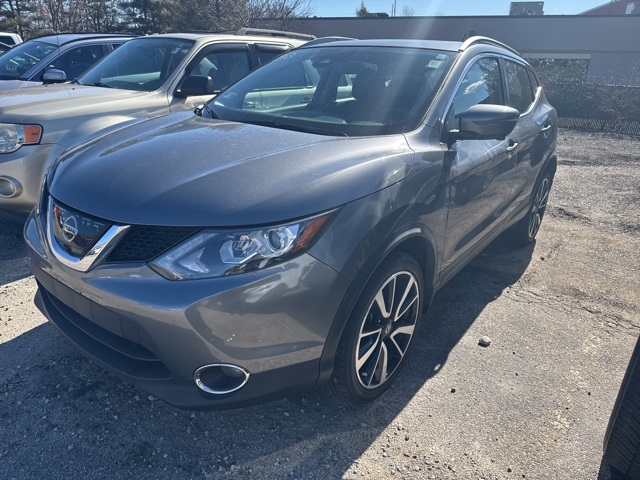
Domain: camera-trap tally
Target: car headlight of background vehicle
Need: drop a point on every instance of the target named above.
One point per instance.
(13, 136)
(216, 253)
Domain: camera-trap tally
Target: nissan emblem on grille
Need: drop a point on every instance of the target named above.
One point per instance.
(69, 226)
(75, 231)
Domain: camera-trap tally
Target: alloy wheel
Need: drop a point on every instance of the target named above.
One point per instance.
(538, 207)
(387, 329)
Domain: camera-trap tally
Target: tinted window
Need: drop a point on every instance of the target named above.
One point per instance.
(482, 84)
(266, 53)
(520, 91)
(140, 64)
(76, 60)
(18, 60)
(224, 67)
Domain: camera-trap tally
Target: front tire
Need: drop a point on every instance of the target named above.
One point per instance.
(379, 330)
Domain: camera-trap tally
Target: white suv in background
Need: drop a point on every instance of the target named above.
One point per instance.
(10, 39)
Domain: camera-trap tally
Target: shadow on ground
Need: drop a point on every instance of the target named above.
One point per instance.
(13, 257)
(62, 414)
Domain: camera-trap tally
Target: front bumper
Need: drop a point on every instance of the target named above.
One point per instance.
(155, 333)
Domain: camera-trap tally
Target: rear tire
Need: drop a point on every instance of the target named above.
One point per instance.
(524, 232)
(379, 330)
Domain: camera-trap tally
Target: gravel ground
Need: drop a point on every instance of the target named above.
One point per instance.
(562, 316)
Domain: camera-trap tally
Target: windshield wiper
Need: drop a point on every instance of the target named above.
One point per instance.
(97, 84)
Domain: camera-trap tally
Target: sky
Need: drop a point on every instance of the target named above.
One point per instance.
(347, 8)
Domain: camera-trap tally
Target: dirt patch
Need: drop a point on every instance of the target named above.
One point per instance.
(562, 316)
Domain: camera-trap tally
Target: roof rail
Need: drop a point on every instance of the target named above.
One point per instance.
(274, 33)
(484, 40)
(322, 40)
(84, 36)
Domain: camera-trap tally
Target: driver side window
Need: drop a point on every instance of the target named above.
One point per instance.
(74, 61)
(481, 85)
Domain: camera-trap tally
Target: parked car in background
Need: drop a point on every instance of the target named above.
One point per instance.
(146, 77)
(10, 39)
(4, 48)
(55, 58)
(295, 229)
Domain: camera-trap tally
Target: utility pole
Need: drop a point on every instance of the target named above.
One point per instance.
(393, 8)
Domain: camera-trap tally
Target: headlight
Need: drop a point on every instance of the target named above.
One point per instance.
(12, 137)
(216, 253)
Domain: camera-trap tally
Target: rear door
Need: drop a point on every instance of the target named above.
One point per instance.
(529, 141)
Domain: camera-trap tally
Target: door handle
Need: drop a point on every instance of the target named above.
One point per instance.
(546, 129)
(512, 146)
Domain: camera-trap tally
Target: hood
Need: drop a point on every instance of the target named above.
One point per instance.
(11, 84)
(51, 101)
(185, 170)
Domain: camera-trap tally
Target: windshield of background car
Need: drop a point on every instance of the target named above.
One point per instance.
(344, 91)
(143, 64)
(17, 61)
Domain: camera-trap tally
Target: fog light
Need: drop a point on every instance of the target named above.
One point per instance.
(9, 187)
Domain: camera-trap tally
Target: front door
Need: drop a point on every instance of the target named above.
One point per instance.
(481, 170)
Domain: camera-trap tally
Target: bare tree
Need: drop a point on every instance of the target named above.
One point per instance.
(283, 14)
(408, 11)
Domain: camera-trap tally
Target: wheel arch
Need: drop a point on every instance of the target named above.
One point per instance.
(415, 240)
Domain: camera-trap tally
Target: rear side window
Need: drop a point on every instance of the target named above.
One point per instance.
(266, 53)
(482, 84)
(520, 90)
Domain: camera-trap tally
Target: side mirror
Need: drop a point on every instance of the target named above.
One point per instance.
(485, 122)
(53, 75)
(196, 85)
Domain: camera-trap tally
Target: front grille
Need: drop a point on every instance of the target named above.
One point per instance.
(75, 231)
(143, 243)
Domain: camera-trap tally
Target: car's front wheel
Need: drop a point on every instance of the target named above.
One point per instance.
(379, 330)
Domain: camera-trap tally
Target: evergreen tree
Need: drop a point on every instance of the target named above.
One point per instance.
(362, 11)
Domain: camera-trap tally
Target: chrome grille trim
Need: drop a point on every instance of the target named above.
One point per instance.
(98, 252)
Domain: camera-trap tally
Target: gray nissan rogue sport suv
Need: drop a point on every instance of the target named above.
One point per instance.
(295, 228)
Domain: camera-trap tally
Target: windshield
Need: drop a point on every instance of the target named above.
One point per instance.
(17, 61)
(352, 91)
(140, 64)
